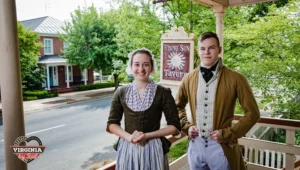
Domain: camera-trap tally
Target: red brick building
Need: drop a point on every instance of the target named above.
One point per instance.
(48, 29)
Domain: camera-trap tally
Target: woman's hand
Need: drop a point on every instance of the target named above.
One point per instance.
(141, 139)
(135, 135)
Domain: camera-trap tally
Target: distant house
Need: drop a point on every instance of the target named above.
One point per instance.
(60, 74)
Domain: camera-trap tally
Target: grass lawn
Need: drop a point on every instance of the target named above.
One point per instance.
(177, 151)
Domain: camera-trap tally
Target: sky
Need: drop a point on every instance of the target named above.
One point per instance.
(59, 9)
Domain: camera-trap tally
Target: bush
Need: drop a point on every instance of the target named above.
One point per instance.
(40, 94)
(95, 86)
(37, 94)
(28, 98)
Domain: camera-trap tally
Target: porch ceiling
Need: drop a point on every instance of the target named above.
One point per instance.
(229, 3)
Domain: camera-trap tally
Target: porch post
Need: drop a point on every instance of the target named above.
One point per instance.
(48, 78)
(11, 88)
(219, 12)
(85, 76)
(68, 81)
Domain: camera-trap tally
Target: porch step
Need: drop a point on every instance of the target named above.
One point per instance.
(63, 90)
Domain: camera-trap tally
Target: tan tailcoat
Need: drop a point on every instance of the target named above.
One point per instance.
(231, 86)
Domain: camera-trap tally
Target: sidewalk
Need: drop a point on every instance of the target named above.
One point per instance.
(65, 98)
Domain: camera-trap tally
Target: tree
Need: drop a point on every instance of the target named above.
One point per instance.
(262, 9)
(138, 26)
(267, 52)
(90, 39)
(29, 47)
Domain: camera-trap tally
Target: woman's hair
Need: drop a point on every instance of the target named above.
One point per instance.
(141, 51)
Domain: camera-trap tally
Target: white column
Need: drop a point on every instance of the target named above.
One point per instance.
(68, 81)
(48, 78)
(85, 76)
(219, 12)
(11, 84)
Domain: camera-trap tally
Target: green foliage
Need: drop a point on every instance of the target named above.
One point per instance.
(35, 77)
(95, 86)
(137, 27)
(262, 9)
(180, 13)
(90, 39)
(267, 52)
(29, 48)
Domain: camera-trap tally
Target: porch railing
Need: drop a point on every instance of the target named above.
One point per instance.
(261, 154)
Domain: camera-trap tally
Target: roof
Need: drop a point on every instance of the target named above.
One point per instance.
(52, 59)
(44, 25)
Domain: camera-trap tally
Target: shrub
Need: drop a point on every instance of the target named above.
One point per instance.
(95, 86)
(28, 98)
(37, 94)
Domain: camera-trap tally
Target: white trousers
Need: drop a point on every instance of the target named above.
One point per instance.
(206, 154)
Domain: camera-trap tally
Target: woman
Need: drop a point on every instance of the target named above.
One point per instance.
(142, 145)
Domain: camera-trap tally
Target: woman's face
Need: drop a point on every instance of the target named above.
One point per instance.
(141, 67)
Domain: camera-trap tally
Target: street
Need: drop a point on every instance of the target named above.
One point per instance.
(74, 136)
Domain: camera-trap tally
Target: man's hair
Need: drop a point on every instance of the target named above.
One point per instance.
(207, 35)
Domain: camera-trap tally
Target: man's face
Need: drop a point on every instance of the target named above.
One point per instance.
(209, 51)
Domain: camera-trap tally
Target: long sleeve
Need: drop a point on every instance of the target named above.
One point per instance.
(251, 113)
(170, 110)
(181, 102)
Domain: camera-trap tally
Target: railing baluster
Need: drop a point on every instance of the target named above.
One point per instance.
(261, 158)
(284, 159)
(278, 160)
(250, 154)
(273, 159)
(246, 153)
(267, 158)
(256, 156)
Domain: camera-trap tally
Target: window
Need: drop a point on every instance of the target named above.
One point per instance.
(48, 46)
(66, 45)
(70, 73)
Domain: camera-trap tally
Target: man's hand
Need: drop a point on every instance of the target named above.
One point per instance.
(215, 135)
(193, 132)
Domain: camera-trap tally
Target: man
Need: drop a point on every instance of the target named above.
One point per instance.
(212, 90)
